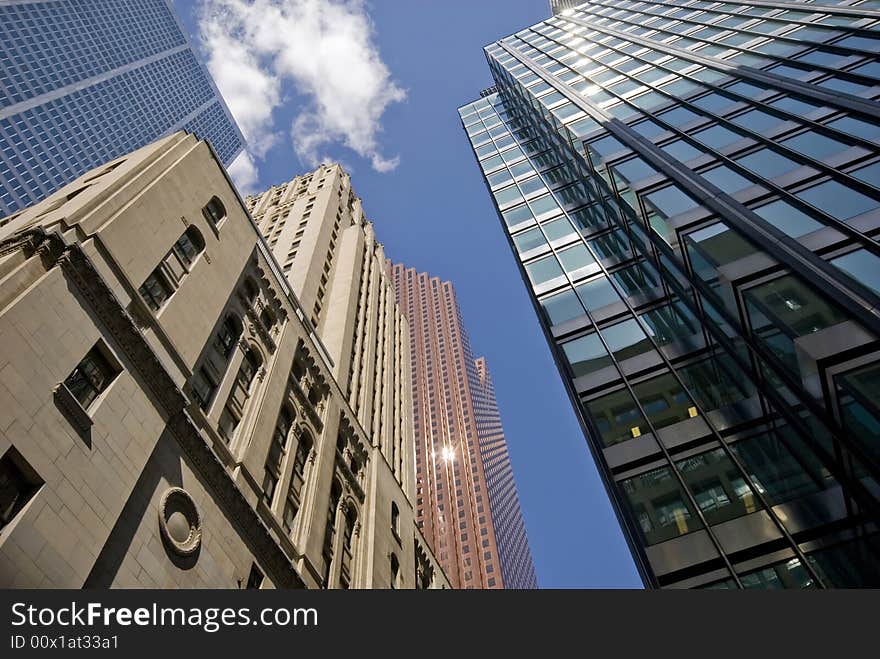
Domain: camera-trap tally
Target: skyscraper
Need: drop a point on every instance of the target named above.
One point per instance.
(83, 82)
(692, 191)
(317, 229)
(170, 418)
(514, 554)
(466, 501)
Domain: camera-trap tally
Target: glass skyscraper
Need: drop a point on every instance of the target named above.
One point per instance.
(83, 82)
(692, 190)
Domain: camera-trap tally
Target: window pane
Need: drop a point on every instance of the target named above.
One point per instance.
(659, 505)
(597, 293)
(861, 265)
(529, 240)
(543, 270)
(626, 339)
(586, 355)
(664, 401)
(838, 200)
(616, 417)
(562, 307)
(788, 219)
(720, 490)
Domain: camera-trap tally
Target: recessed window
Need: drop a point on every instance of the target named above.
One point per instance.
(91, 376)
(214, 211)
(189, 246)
(18, 484)
(155, 290)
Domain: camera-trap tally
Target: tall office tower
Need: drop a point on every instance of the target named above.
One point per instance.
(517, 569)
(692, 191)
(83, 82)
(466, 502)
(169, 417)
(316, 227)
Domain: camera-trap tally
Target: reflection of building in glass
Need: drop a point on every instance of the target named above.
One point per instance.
(466, 500)
(82, 83)
(692, 190)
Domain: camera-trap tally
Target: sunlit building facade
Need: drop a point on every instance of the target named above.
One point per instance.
(83, 83)
(466, 500)
(692, 192)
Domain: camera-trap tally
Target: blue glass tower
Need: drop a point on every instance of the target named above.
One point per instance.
(691, 189)
(86, 81)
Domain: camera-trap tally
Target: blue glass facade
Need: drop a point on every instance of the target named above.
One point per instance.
(83, 82)
(691, 189)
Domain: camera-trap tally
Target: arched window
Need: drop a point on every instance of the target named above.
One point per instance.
(347, 548)
(395, 520)
(395, 571)
(189, 246)
(267, 319)
(214, 211)
(277, 449)
(297, 481)
(231, 415)
(250, 291)
(330, 531)
(227, 335)
(248, 369)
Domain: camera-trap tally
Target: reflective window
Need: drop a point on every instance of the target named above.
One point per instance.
(814, 145)
(718, 382)
(616, 417)
(670, 201)
(562, 307)
(659, 505)
(586, 355)
(517, 215)
(857, 393)
(767, 163)
(529, 240)
(856, 127)
(544, 270)
(664, 401)
(837, 200)
(576, 258)
(681, 150)
(726, 180)
(597, 293)
(757, 121)
(861, 265)
(788, 219)
(775, 471)
(718, 487)
(558, 229)
(637, 278)
(544, 207)
(626, 339)
(671, 323)
(716, 137)
(784, 309)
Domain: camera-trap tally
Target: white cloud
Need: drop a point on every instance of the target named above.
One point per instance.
(325, 48)
(244, 173)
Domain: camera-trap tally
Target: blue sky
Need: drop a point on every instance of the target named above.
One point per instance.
(388, 113)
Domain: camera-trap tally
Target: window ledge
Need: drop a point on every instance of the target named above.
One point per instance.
(75, 412)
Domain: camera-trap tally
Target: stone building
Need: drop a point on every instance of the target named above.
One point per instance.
(169, 416)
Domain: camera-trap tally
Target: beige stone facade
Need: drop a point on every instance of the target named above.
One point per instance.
(169, 416)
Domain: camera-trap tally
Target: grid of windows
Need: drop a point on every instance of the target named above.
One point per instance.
(84, 83)
(692, 190)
